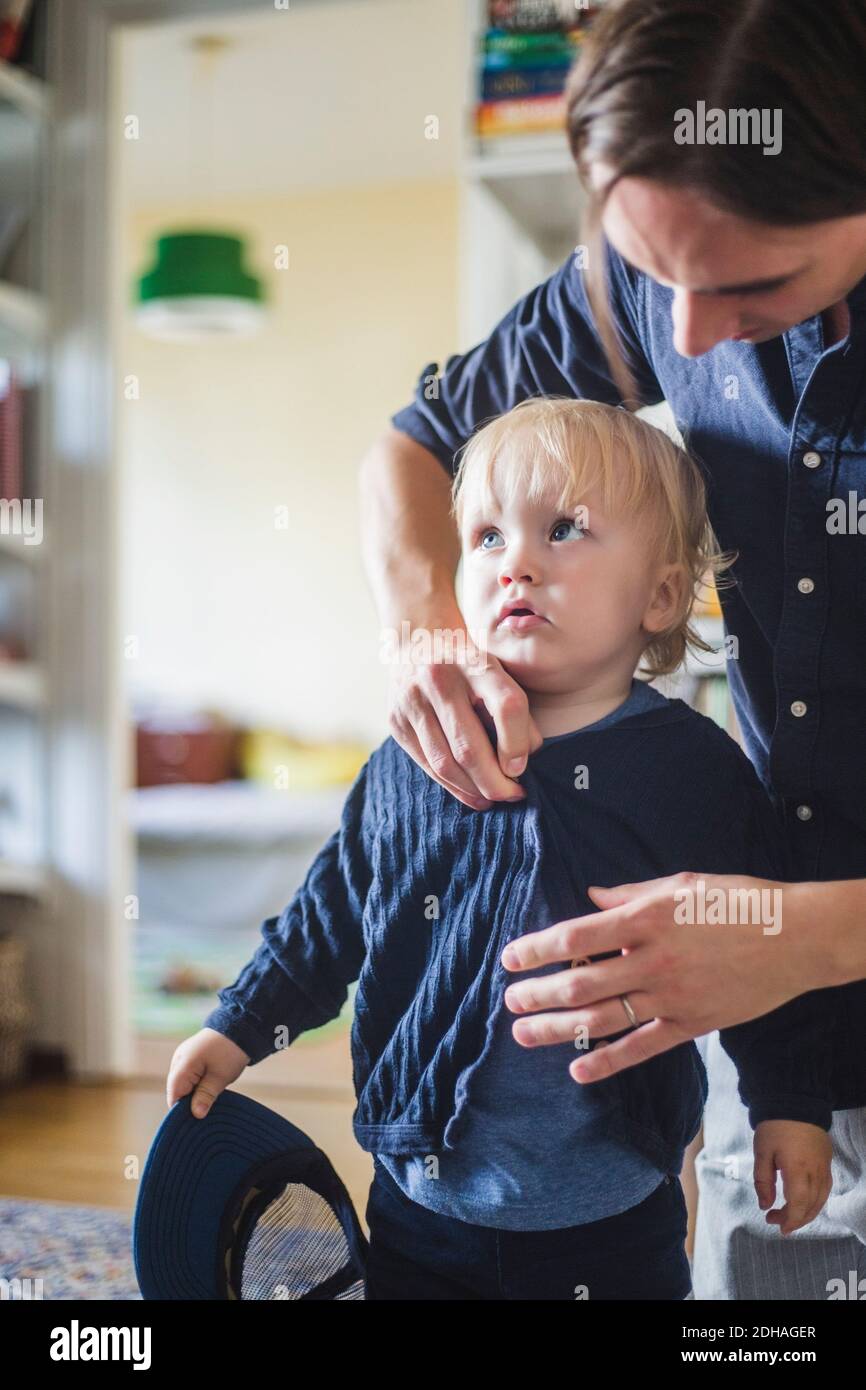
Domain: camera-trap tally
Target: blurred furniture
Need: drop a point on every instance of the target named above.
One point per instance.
(228, 854)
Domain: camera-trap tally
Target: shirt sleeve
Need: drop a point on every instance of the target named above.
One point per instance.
(784, 1058)
(547, 344)
(298, 978)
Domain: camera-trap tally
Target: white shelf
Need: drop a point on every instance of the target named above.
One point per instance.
(519, 156)
(26, 93)
(536, 182)
(27, 880)
(22, 685)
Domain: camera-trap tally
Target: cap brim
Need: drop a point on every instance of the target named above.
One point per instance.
(193, 1169)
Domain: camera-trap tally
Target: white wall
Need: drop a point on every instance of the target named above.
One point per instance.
(268, 625)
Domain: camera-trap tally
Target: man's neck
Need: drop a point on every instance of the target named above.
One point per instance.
(837, 323)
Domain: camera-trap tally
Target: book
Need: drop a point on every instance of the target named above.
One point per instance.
(511, 83)
(523, 114)
(525, 48)
(11, 441)
(528, 14)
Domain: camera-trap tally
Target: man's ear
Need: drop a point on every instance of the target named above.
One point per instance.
(668, 598)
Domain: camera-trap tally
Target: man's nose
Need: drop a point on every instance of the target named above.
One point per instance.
(701, 321)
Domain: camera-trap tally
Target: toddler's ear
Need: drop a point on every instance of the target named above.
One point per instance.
(668, 599)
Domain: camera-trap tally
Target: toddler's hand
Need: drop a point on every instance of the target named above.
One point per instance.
(205, 1063)
(801, 1153)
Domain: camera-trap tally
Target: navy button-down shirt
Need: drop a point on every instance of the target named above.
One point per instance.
(780, 431)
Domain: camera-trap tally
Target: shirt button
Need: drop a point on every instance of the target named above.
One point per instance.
(799, 708)
(811, 459)
(805, 585)
(804, 812)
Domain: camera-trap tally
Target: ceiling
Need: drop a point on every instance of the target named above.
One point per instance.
(326, 93)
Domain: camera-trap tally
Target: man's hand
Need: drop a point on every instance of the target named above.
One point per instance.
(802, 1153)
(440, 713)
(681, 980)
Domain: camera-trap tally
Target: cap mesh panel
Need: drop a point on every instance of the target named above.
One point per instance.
(297, 1243)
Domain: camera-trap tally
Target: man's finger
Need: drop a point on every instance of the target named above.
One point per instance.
(625, 892)
(571, 989)
(463, 791)
(574, 937)
(637, 1046)
(469, 748)
(508, 706)
(566, 1025)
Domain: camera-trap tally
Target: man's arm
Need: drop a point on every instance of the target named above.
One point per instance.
(784, 1058)
(547, 344)
(408, 539)
(783, 1061)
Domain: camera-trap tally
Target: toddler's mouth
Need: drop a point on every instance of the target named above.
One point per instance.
(521, 620)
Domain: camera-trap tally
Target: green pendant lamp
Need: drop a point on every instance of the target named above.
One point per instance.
(198, 288)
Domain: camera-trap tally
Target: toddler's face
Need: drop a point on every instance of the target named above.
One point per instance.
(589, 577)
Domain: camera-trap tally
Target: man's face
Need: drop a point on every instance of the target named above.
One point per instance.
(589, 579)
(731, 278)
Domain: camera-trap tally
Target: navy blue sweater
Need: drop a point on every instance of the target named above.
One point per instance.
(415, 897)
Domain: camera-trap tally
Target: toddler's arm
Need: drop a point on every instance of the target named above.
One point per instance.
(299, 976)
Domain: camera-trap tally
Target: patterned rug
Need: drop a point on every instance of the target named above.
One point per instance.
(75, 1251)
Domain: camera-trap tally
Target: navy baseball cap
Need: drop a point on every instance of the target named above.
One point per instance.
(243, 1205)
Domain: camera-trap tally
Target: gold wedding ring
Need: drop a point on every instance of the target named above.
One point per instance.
(629, 1011)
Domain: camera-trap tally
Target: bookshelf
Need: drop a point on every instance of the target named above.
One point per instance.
(521, 205)
(25, 114)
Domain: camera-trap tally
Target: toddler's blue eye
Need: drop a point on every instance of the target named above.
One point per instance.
(569, 521)
(482, 538)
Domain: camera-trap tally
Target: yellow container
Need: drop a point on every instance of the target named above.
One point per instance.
(278, 760)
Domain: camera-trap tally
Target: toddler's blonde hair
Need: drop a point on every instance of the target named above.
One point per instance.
(556, 442)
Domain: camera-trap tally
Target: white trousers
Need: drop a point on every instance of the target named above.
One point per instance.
(737, 1254)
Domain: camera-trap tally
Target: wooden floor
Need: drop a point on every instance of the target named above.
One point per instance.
(88, 1143)
(80, 1143)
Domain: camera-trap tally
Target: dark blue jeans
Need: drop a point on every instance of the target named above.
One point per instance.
(420, 1254)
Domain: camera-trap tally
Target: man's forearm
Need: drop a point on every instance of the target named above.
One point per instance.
(409, 540)
(831, 928)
